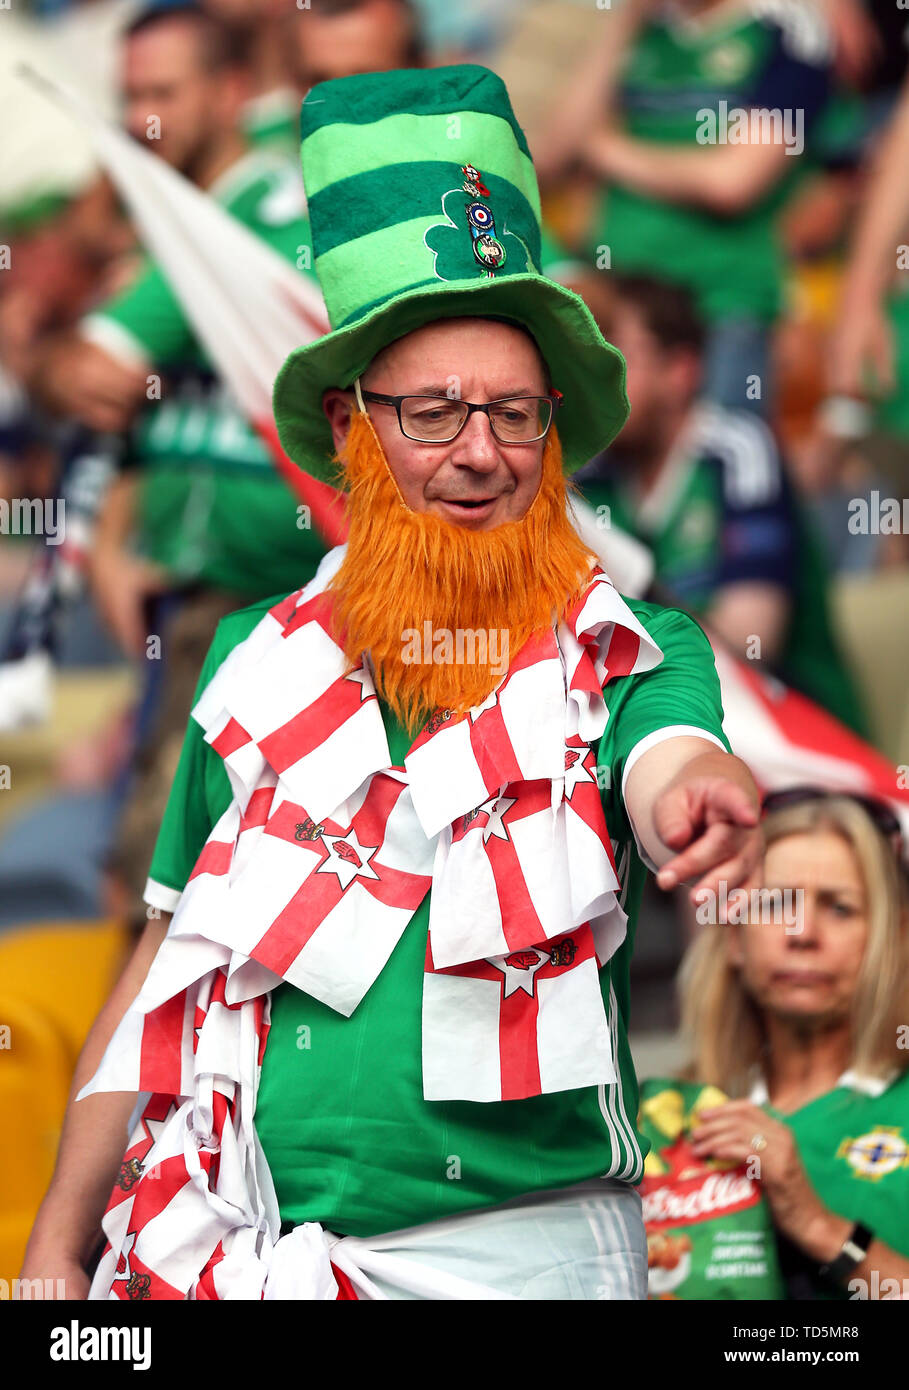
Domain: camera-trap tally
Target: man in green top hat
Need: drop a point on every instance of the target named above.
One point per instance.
(406, 841)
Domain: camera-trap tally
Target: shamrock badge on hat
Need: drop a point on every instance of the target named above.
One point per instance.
(468, 240)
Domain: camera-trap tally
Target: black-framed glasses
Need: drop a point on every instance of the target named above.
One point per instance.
(879, 813)
(440, 419)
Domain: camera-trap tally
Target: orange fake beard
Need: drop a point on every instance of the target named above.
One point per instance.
(442, 610)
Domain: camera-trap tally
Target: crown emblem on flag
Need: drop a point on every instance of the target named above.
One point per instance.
(436, 720)
(308, 830)
(130, 1172)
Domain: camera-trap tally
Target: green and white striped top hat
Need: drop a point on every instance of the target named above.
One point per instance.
(424, 205)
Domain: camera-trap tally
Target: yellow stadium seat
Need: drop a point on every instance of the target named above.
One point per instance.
(53, 980)
(35, 1072)
(65, 968)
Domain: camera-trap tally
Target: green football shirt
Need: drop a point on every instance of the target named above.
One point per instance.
(678, 69)
(854, 1144)
(212, 507)
(350, 1140)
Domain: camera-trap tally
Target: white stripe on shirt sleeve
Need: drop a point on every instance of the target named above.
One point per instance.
(160, 896)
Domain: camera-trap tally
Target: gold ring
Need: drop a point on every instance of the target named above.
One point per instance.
(758, 1143)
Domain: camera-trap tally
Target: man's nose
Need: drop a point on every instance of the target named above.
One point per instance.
(476, 446)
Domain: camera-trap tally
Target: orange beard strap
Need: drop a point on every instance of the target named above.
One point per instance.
(403, 569)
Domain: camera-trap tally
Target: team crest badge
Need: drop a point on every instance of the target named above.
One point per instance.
(874, 1155)
(491, 246)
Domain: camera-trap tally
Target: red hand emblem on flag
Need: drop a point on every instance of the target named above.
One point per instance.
(344, 850)
(522, 960)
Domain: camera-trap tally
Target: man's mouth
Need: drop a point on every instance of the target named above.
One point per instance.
(474, 513)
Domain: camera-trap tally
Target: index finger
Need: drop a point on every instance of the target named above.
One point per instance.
(714, 847)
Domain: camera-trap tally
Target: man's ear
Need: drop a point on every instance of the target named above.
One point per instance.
(338, 406)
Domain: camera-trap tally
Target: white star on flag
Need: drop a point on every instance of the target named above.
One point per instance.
(496, 808)
(518, 977)
(362, 678)
(157, 1127)
(350, 865)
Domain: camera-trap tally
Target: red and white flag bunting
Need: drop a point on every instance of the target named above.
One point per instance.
(314, 871)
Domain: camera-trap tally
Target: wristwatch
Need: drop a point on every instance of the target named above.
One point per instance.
(854, 1250)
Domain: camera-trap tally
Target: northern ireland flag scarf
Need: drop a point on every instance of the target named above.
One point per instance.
(313, 873)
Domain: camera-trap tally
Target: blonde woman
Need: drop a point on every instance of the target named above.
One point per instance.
(805, 1024)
